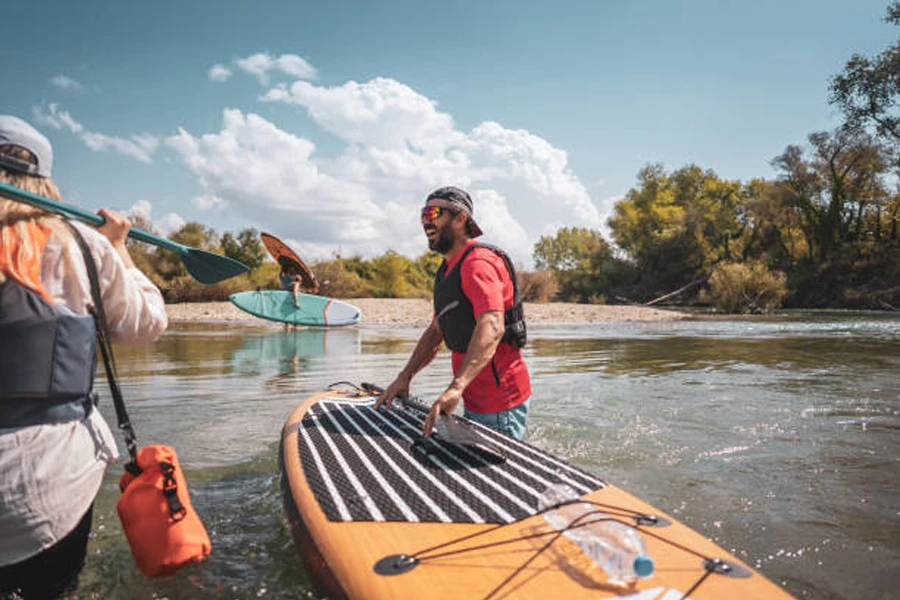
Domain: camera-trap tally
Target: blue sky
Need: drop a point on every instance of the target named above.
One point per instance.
(327, 123)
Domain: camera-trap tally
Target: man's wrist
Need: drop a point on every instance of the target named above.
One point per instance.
(456, 386)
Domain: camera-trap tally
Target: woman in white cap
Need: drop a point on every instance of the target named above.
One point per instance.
(54, 444)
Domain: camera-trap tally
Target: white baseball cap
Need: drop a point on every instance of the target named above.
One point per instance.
(16, 132)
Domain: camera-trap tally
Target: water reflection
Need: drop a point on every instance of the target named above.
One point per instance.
(291, 345)
(289, 353)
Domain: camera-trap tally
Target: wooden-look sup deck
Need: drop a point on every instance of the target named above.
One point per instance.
(376, 513)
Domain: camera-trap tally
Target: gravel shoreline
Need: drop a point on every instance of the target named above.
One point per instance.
(409, 311)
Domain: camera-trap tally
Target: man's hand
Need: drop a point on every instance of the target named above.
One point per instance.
(399, 387)
(446, 403)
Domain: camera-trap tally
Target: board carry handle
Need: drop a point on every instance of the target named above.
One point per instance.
(410, 401)
(205, 267)
(456, 430)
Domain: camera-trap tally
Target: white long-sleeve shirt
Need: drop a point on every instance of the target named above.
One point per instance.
(50, 474)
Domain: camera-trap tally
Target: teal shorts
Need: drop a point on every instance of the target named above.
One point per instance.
(511, 422)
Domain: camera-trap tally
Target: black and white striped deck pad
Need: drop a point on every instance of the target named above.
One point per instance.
(361, 465)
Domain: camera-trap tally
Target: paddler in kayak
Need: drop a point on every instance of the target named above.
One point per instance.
(478, 315)
(54, 444)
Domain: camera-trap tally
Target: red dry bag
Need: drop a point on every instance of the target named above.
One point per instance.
(155, 509)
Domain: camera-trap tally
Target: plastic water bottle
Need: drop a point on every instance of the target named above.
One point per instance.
(613, 546)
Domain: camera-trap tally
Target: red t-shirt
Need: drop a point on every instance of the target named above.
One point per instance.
(487, 285)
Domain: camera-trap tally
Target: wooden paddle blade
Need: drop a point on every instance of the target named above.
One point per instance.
(208, 267)
(290, 262)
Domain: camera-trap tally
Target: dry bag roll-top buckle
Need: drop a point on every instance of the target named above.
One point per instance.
(170, 490)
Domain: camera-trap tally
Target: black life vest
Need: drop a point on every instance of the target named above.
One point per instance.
(47, 360)
(454, 311)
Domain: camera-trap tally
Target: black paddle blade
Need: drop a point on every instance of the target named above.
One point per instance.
(207, 267)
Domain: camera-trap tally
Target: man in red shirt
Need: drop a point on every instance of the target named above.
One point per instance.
(478, 315)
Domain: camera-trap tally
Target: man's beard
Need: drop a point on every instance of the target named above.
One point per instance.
(442, 243)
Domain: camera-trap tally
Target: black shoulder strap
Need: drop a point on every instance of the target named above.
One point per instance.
(109, 361)
(442, 269)
(517, 299)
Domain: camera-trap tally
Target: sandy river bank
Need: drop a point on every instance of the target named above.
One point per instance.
(405, 311)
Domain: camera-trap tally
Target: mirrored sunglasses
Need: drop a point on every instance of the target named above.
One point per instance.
(430, 213)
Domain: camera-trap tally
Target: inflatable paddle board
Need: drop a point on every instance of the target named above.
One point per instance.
(282, 254)
(277, 305)
(377, 512)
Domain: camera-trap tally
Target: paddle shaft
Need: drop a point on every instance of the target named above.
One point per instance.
(206, 267)
(59, 208)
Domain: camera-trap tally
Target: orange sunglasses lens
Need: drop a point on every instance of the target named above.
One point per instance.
(430, 213)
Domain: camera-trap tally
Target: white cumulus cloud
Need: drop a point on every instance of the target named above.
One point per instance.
(67, 83)
(261, 170)
(170, 223)
(139, 147)
(209, 202)
(400, 143)
(219, 73)
(398, 146)
(262, 64)
(142, 209)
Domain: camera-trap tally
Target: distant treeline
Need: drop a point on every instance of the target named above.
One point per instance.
(822, 234)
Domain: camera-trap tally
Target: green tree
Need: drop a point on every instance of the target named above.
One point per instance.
(772, 230)
(428, 264)
(576, 257)
(142, 253)
(676, 227)
(359, 266)
(837, 190)
(712, 210)
(246, 248)
(570, 249)
(391, 276)
(868, 90)
(196, 235)
(336, 281)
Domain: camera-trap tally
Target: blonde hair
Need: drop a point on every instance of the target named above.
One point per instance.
(17, 219)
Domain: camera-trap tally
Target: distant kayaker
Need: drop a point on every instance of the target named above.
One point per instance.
(54, 443)
(477, 317)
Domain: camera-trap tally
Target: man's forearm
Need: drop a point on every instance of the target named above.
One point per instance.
(485, 339)
(426, 349)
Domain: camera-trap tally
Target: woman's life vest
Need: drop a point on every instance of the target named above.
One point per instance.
(454, 311)
(48, 358)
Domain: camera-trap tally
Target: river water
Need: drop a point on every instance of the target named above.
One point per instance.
(777, 437)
